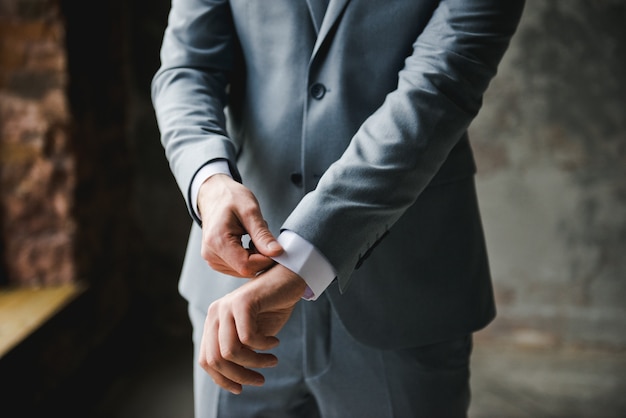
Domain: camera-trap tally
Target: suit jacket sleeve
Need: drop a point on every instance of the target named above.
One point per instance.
(189, 89)
(400, 147)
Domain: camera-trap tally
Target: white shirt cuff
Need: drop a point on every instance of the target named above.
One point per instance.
(215, 167)
(301, 257)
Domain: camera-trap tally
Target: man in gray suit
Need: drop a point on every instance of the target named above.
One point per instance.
(322, 149)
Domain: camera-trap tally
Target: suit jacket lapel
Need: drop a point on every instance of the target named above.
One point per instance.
(317, 8)
(333, 12)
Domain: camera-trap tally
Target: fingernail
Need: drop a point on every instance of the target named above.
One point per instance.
(273, 245)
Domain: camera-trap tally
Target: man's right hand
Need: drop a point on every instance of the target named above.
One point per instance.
(229, 211)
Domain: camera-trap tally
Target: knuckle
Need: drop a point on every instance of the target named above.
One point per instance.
(243, 268)
(213, 309)
(246, 338)
(212, 363)
(206, 254)
(250, 211)
(247, 271)
(229, 353)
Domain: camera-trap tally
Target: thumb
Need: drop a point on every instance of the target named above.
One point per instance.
(263, 240)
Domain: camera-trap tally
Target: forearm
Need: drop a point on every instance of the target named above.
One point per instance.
(189, 89)
(401, 146)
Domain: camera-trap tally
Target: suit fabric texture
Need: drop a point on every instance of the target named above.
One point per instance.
(348, 121)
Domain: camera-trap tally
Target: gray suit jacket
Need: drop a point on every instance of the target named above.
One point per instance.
(348, 126)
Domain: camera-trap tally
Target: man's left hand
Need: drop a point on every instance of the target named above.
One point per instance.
(242, 324)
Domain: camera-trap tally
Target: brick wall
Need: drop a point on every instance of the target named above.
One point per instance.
(84, 185)
(37, 169)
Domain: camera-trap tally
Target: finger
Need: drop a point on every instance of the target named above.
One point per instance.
(210, 363)
(232, 376)
(228, 256)
(223, 250)
(239, 259)
(261, 237)
(219, 369)
(247, 331)
(254, 265)
(220, 380)
(221, 237)
(233, 349)
(224, 373)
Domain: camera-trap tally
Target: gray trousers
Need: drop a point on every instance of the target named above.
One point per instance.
(324, 372)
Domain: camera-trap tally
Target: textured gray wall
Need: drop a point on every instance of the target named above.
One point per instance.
(551, 149)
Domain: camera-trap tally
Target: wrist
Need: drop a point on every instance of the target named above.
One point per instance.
(206, 172)
(279, 281)
(207, 185)
(293, 277)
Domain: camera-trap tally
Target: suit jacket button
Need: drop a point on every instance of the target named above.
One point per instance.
(296, 178)
(318, 91)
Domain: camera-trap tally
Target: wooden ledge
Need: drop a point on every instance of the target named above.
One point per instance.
(24, 310)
